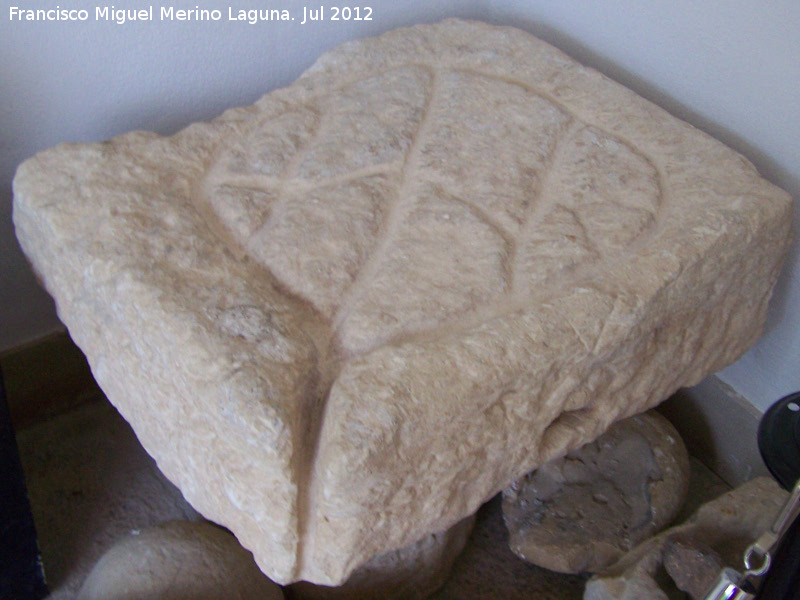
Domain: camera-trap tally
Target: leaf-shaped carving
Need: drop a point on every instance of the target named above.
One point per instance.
(415, 203)
(407, 198)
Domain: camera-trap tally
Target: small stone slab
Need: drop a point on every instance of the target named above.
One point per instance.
(583, 512)
(344, 317)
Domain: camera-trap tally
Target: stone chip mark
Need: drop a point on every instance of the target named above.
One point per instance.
(252, 324)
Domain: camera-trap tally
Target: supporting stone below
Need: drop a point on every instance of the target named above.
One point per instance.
(583, 512)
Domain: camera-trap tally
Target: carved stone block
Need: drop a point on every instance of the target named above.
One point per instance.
(344, 317)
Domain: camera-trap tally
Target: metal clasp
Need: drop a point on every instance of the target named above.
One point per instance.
(764, 547)
(732, 585)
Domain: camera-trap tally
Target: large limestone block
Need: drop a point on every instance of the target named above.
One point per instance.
(344, 317)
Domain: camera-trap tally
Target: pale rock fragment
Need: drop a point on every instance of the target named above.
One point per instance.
(346, 316)
(721, 530)
(583, 512)
(175, 561)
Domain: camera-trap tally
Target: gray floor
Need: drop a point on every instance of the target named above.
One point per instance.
(90, 482)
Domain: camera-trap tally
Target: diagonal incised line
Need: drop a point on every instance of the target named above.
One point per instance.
(543, 202)
(308, 481)
(399, 208)
(290, 171)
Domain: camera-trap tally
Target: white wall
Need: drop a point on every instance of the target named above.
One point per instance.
(730, 67)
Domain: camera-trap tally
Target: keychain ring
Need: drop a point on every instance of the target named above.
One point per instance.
(748, 559)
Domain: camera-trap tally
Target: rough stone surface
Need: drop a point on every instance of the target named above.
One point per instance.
(344, 317)
(411, 573)
(583, 512)
(721, 530)
(175, 561)
(693, 566)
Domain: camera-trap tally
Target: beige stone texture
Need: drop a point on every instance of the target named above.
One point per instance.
(584, 511)
(345, 316)
(411, 573)
(178, 560)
